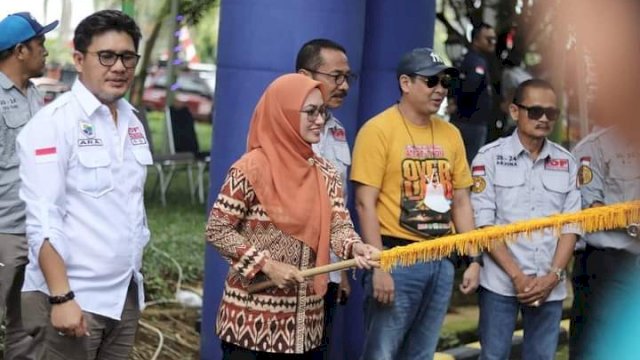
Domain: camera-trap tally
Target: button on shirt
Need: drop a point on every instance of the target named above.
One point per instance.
(16, 108)
(334, 147)
(509, 187)
(609, 173)
(83, 182)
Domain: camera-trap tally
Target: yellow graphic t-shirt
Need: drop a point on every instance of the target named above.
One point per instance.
(416, 170)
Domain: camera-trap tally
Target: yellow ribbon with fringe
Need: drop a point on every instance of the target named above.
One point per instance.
(589, 220)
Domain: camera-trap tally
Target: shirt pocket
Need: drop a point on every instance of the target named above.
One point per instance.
(556, 185)
(508, 185)
(95, 178)
(12, 123)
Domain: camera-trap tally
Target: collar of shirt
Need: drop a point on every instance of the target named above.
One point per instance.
(90, 103)
(7, 84)
(517, 148)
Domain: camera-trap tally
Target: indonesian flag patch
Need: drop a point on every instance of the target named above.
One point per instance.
(46, 154)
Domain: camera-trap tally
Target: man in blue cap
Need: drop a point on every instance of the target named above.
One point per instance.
(22, 57)
(412, 184)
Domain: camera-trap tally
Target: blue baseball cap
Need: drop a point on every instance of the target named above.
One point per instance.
(20, 27)
(425, 62)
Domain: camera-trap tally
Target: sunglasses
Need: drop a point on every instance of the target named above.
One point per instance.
(536, 112)
(432, 81)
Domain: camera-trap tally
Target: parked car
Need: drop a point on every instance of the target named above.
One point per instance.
(192, 92)
(50, 88)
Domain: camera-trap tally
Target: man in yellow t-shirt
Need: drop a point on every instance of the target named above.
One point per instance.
(412, 184)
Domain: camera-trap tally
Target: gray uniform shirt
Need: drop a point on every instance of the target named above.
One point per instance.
(334, 147)
(16, 109)
(508, 187)
(609, 173)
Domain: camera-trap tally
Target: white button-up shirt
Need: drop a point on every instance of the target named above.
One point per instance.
(83, 182)
(509, 187)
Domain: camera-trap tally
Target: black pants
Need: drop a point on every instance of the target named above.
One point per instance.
(330, 306)
(235, 352)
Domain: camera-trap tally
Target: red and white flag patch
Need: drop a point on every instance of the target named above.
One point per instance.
(46, 154)
(477, 170)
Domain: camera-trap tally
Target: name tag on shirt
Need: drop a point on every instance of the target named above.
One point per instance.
(136, 136)
(557, 164)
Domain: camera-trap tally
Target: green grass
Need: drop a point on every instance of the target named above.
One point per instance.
(177, 229)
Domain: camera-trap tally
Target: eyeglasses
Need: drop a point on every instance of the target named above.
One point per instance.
(315, 111)
(432, 81)
(536, 112)
(340, 78)
(109, 58)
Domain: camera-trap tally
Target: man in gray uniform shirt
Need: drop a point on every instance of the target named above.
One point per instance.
(22, 57)
(609, 173)
(517, 178)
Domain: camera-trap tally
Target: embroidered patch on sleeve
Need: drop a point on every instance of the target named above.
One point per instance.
(585, 174)
(479, 184)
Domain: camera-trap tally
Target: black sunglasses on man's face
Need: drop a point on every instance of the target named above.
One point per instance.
(536, 112)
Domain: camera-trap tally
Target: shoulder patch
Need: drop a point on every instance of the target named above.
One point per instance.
(479, 184)
(585, 174)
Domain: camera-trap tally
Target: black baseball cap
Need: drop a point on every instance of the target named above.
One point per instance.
(425, 62)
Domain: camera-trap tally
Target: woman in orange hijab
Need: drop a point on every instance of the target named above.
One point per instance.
(279, 211)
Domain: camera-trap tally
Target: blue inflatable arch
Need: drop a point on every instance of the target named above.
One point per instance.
(259, 41)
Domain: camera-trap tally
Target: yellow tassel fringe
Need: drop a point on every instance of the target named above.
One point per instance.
(588, 220)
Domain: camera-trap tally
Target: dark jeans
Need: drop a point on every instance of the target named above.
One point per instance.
(498, 315)
(235, 352)
(580, 284)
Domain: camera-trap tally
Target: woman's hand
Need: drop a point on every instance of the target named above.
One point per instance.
(366, 256)
(282, 274)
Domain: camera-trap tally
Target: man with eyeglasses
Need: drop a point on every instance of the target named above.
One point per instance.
(22, 57)
(83, 162)
(326, 61)
(516, 178)
(412, 184)
(474, 97)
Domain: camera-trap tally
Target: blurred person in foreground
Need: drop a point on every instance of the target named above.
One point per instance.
(280, 210)
(516, 178)
(22, 57)
(83, 161)
(326, 61)
(412, 184)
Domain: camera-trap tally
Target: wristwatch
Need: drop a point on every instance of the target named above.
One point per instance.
(560, 273)
(476, 259)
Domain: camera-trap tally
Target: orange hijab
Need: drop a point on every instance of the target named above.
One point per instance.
(287, 184)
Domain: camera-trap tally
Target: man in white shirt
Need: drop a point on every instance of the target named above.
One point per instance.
(83, 165)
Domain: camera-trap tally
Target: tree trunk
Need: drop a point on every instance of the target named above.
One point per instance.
(138, 82)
